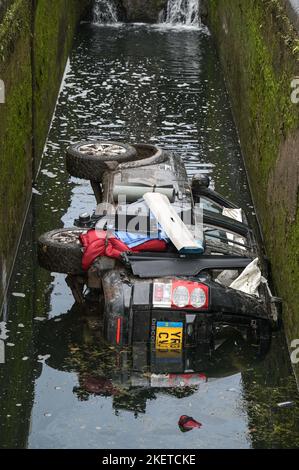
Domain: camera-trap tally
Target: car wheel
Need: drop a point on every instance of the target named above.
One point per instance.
(89, 159)
(146, 155)
(61, 251)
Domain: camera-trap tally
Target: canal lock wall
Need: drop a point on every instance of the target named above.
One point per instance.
(258, 44)
(259, 48)
(35, 39)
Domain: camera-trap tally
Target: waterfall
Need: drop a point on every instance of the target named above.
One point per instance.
(105, 11)
(185, 12)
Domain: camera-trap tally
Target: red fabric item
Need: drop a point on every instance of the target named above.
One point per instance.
(186, 423)
(96, 243)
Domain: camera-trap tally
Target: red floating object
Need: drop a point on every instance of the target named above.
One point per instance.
(186, 423)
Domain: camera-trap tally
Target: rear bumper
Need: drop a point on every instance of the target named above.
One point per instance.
(130, 316)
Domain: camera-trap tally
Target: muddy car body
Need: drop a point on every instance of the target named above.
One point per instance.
(171, 299)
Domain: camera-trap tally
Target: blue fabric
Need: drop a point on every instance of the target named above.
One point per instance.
(135, 239)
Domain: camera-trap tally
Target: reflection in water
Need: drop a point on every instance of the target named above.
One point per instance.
(62, 386)
(134, 375)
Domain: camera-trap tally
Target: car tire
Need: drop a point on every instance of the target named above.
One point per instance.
(89, 159)
(60, 251)
(146, 155)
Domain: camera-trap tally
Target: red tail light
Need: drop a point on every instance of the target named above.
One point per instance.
(181, 294)
(118, 330)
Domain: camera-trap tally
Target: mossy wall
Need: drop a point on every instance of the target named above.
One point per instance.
(35, 37)
(4, 4)
(259, 49)
(54, 23)
(15, 129)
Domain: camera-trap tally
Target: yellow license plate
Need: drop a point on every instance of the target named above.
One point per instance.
(169, 335)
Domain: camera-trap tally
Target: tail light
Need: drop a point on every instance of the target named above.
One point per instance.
(118, 330)
(180, 294)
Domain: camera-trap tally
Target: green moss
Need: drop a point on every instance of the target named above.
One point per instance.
(15, 127)
(12, 25)
(31, 65)
(270, 383)
(259, 50)
(54, 26)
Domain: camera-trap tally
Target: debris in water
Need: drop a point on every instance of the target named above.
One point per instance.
(48, 173)
(35, 191)
(40, 319)
(186, 423)
(285, 404)
(3, 331)
(43, 358)
(18, 294)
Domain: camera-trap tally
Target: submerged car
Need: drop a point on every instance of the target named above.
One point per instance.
(168, 258)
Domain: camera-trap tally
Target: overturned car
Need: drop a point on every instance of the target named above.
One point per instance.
(167, 257)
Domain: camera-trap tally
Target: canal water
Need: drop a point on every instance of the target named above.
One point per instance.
(60, 385)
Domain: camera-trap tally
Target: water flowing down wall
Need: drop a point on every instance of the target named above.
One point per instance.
(105, 11)
(185, 12)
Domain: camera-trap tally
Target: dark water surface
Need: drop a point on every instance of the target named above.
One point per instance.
(132, 83)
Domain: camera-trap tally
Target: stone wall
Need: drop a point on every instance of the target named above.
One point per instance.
(35, 37)
(259, 48)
